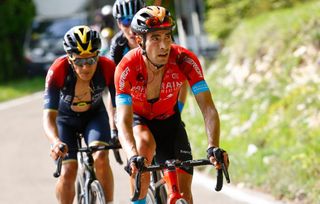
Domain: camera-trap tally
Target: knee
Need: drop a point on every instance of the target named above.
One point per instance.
(68, 174)
(101, 160)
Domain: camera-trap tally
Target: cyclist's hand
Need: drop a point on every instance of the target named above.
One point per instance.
(134, 164)
(217, 156)
(58, 149)
(114, 137)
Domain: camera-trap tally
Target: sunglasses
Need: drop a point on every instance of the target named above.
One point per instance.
(154, 22)
(125, 21)
(82, 61)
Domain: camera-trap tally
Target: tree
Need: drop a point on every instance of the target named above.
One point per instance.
(16, 17)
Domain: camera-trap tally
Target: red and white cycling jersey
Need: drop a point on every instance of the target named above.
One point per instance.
(131, 82)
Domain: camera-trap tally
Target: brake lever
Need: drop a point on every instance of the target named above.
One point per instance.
(225, 172)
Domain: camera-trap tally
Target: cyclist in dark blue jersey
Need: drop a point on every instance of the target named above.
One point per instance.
(73, 103)
(124, 40)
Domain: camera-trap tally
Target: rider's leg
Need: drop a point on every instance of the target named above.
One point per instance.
(65, 188)
(185, 180)
(146, 147)
(104, 173)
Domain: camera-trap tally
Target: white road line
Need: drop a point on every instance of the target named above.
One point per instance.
(20, 101)
(247, 196)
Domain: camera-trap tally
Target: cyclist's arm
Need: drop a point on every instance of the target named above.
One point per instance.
(51, 131)
(183, 95)
(54, 82)
(49, 125)
(211, 117)
(124, 124)
(111, 111)
(111, 106)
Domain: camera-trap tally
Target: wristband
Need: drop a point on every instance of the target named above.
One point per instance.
(180, 106)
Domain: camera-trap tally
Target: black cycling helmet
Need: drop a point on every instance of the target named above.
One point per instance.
(152, 18)
(81, 40)
(126, 8)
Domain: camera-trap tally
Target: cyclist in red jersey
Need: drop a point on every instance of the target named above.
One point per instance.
(124, 40)
(73, 103)
(148, 80)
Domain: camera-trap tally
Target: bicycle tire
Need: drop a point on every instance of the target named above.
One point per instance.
(96, 195)
(80, 187)
(150, 199)
(160, 192)
(79, 193)
(181, 201)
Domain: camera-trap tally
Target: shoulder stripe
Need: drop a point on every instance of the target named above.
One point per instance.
(200, 87)
(123, 99)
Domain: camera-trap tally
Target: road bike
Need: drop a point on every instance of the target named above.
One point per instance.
(169, 177)
(89, 190)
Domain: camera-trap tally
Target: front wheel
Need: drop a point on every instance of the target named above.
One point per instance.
(150, 197)
(80, 188)
(96, 195)
(181, 201)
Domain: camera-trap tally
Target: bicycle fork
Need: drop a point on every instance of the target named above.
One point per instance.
(171, 178)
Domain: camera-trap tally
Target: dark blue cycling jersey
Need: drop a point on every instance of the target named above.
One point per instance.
(118, 48)
(61, 81)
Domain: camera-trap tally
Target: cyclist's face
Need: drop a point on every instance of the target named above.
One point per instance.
(128, 34)
(158, 45)
(84, 65)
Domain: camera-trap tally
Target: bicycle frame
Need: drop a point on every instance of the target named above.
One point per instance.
(87, 173)
(170, 177)
(86, 178)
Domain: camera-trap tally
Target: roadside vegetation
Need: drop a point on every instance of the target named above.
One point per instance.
(16, 17)
(266, 84)
(19, 88)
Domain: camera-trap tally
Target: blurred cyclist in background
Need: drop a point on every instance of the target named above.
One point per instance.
(108, 28)
(124, 40)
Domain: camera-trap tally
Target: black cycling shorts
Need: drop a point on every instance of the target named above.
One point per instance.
(93, 125)
(171, 138)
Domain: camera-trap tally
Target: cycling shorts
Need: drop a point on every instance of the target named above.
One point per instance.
(171, 138)
(93, 125)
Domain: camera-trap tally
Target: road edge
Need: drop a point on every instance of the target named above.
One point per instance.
(240, 194)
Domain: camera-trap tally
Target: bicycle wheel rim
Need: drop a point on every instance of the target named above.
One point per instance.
(79, 192)
(181, 201)
(96, 195)
(150, 197)
(160, 192)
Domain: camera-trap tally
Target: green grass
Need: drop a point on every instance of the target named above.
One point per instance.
(268, 97)
(16, 89)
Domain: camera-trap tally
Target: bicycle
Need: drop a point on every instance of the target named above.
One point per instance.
(170, 179)
(88, 190)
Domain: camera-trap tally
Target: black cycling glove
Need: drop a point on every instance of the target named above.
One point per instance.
(217, 153)
(114, 137)
(137, 160)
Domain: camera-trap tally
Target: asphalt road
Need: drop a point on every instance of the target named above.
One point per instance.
(26, 168)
